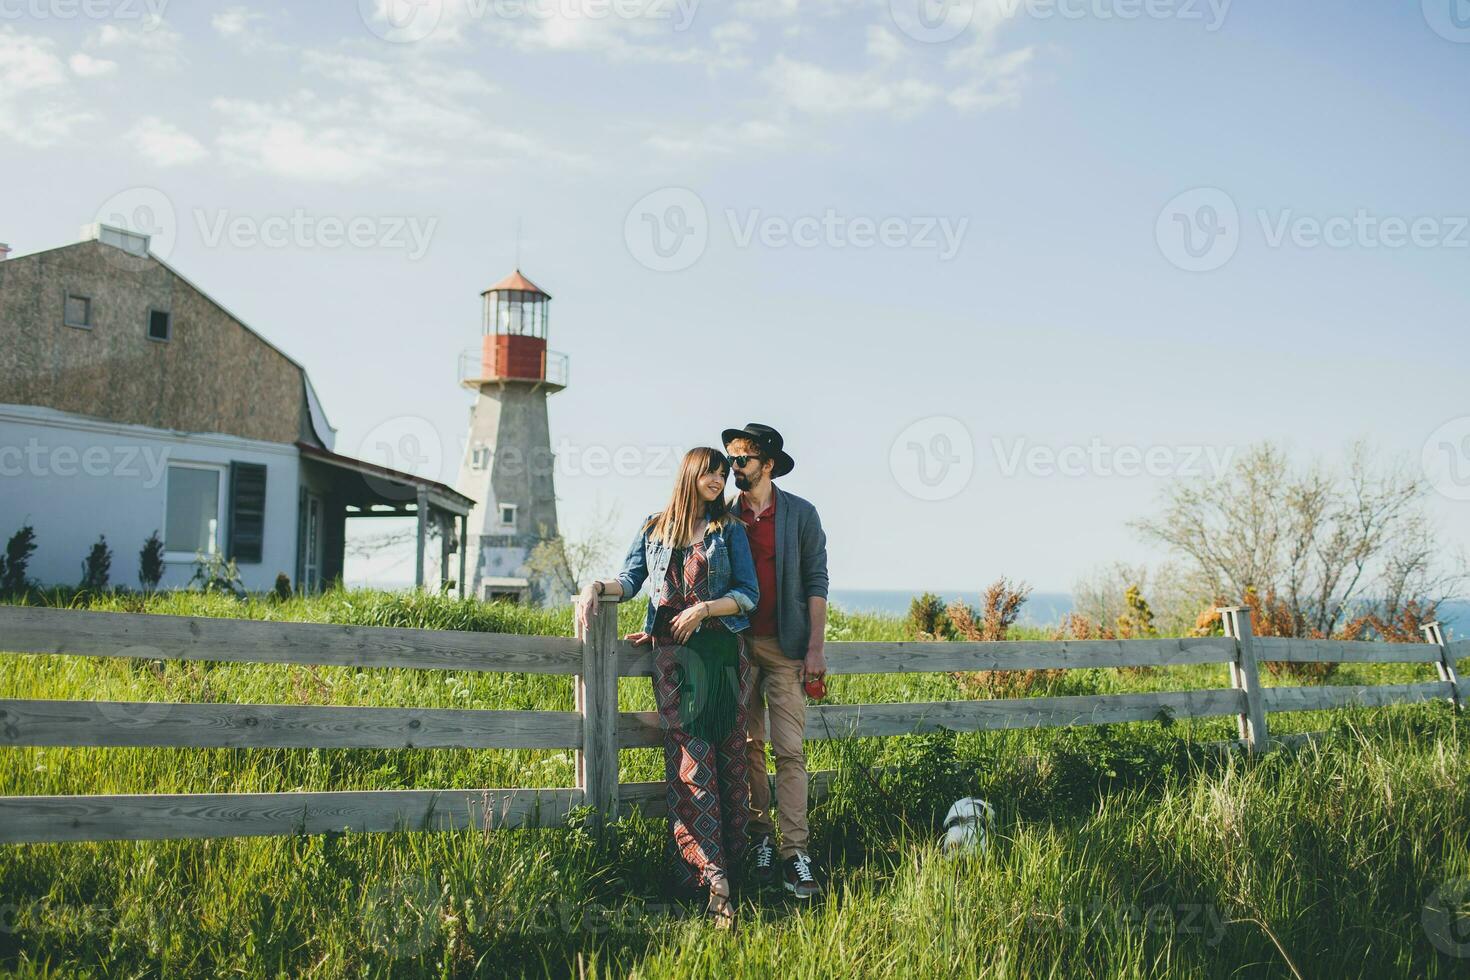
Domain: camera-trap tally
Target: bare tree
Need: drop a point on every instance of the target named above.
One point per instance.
(1328, 544)
(580, 557)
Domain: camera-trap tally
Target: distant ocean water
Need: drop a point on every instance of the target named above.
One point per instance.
(1045, 608)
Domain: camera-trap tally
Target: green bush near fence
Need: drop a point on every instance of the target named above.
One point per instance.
(1122, 851)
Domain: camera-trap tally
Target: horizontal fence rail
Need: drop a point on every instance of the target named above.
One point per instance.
(281, 726)
(920, 658)
(29, 819)
(99, 634)
(597, 730)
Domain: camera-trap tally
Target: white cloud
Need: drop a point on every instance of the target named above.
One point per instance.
(87, 66)
(390, 117)
(37, 108)
(164, 144)
(885, 44)
(764, 134)
(996, 83)
(235, 21)
(158, 43)
(819, 91)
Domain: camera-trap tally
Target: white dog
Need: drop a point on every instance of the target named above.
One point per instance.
(966, 828)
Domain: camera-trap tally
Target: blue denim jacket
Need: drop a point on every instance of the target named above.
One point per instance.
(731, 572)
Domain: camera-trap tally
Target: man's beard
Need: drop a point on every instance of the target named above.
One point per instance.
(741, 482)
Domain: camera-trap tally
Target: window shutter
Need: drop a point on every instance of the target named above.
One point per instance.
(247, 512)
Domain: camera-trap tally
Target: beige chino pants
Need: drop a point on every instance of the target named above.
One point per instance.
(778, 685)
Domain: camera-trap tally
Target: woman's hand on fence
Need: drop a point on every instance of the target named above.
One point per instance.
(639, 639)
(586, 609)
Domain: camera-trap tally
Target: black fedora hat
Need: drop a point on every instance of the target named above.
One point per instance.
(770, 442)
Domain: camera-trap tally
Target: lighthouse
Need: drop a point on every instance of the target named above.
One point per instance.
(507, 466)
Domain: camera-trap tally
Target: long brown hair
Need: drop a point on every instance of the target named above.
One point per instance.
(681, 520)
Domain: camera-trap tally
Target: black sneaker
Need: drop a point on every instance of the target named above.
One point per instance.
(799, 878)
(763, 861)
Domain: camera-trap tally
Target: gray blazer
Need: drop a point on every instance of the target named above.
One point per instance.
(801, 569)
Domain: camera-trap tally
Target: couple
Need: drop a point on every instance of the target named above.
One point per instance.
(737, 615)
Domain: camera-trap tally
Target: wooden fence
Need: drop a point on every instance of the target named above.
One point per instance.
(597, 730)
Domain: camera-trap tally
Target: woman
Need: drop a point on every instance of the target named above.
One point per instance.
(695, 556)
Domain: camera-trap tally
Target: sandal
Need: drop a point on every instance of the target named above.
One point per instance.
(721, 910)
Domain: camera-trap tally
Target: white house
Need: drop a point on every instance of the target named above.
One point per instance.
(131, 402)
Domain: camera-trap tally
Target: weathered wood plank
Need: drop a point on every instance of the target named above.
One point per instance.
(275, 726)
(1343, 651)
(846, 657)
(651, 799)
(1458, 650)
(1373, 695)
(34, 819)
(27, 629)
(638, 729)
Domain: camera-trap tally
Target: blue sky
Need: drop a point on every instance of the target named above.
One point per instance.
(937, 251)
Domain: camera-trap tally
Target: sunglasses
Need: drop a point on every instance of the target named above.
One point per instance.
(739, 461)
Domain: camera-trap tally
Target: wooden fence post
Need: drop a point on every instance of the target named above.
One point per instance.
(1434, 633)
(1245, 676)
(597, 703)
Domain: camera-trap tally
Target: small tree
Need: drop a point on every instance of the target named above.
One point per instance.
(283, 587)
(18, 551)
(1000, 606)
(150, 563)
(97, 566)
(1137, 619)
(928, 619)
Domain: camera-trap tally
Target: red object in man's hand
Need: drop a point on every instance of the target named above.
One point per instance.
(816, 688)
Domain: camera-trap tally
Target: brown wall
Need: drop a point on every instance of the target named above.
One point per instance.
(214, 375)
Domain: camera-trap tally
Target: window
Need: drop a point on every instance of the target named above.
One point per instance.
(507, 515)
(480, 457)
(78, 311)
(192, 512)
(160, 324)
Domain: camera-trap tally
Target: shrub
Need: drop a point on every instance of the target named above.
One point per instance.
(97, 566)
(283, 587)
(928, 619)
(18, 551)
(150, 563)
(212, 573)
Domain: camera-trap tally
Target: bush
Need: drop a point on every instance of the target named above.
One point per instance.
(283, 587)
(928, 619)
(18, 551)
(212, 573)
(97, 566)
(150, 563)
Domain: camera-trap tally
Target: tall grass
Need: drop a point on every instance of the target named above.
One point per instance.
(1124, 851)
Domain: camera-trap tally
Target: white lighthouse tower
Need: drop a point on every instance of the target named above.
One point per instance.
(507, 466)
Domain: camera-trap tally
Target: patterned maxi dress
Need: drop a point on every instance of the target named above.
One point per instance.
(704, 764)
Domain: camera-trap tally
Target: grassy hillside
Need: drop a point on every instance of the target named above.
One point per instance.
(1121, 851)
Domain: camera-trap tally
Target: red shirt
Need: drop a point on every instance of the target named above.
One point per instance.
(761, 530)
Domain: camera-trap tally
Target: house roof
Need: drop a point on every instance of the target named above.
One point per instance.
(319, 420)
(449, 498)
(516, 281)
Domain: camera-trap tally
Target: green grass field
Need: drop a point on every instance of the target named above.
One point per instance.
(1119, 852)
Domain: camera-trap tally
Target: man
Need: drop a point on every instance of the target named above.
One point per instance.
(787, 632)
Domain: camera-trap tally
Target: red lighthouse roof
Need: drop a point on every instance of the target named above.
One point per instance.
(518, 282)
